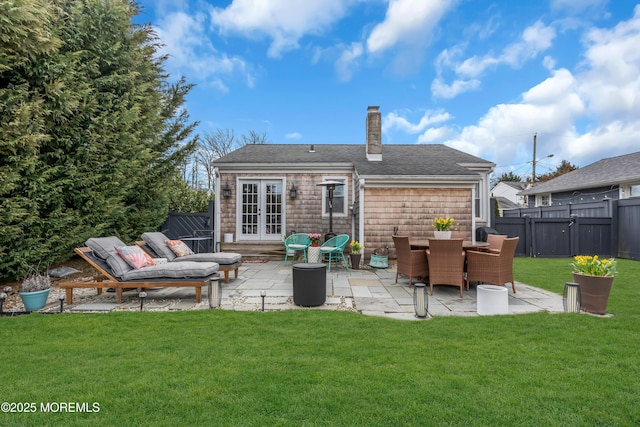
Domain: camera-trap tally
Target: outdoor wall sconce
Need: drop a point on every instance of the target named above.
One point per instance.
(293, 193)
(420, 300)
(571, 297)
(226, 191)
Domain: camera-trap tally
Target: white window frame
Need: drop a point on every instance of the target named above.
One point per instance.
(345, 188)
(546, 197)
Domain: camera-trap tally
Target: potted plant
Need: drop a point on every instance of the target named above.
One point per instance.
(355, 255)
(595, 277)
(34, 291)
(315, 239)
(442, 227)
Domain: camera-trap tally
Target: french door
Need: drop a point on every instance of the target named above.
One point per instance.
(261, 210)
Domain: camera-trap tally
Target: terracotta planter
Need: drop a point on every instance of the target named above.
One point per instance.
(355, 261)
(594, 291)
(315, 244)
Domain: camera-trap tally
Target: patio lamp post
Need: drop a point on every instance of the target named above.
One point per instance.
(420, 300)
(331, 186)
(3, 297)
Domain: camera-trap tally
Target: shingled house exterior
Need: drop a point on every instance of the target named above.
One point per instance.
(401, 187)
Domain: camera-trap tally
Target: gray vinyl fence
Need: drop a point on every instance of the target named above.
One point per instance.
(607, 228)
(182, 225)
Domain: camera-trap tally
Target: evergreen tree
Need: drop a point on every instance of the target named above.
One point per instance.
(92, 134)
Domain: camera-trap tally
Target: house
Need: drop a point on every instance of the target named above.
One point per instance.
(612, 178)
(506, 195)
(271, 190)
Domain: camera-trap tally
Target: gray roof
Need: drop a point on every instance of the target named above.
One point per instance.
(610, 171)
(504, 203)
(515, 184)
(397, 159)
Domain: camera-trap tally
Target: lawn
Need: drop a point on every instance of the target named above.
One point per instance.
(311, 367)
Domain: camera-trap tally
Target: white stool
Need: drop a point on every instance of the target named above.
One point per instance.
(492, 300)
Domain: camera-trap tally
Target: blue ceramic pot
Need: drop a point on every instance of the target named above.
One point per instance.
(34, 300)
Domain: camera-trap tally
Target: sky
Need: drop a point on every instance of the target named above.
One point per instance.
(480, 76)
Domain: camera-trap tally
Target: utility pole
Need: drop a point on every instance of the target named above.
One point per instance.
(533, 173)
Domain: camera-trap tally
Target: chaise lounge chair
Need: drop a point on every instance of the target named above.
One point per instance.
(155, 244)
(116, 273)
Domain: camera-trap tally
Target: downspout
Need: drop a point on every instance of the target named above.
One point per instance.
(473, 213)
(361, 212)
(216, 214)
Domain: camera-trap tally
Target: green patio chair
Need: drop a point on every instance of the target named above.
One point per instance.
(334, 247)
(296, 242)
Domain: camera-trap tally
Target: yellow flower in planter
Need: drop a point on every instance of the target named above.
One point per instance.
(356, 247)
(443, 224)
(594, 266)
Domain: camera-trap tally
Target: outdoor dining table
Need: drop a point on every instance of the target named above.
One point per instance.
(466, 244)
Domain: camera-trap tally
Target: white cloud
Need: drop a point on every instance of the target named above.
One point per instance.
(603, 93)
(434, 135)
(191, 52)
(347, 61)
(284, 21)
(534, 40)
(440, 89)
(611, 83)
(506, 132)
(293, 135)
(408, 22)
(394, 120)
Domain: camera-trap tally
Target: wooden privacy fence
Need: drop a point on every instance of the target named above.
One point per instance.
(608, 228)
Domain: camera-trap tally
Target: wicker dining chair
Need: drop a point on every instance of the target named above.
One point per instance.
(495, 242)
(494, 268)
(411, 262)
(446, 263)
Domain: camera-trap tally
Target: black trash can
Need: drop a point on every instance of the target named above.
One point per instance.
(309, 284)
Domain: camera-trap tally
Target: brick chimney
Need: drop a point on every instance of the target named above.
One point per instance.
(374, 134)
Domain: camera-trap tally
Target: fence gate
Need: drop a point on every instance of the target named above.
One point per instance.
(559, 237)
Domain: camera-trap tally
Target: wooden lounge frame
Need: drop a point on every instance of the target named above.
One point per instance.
(225, 268)
(107, 280)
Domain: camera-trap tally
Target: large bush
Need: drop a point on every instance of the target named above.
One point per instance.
(91, 132)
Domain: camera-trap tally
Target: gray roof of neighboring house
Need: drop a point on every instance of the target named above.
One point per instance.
(397, 159)
(504, 203)
(610, 171)
(515, 184)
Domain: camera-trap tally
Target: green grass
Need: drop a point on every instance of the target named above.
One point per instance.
(309, 367)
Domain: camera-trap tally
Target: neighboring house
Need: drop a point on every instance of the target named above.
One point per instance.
(506, 195)
(401, 187)
(613, 178)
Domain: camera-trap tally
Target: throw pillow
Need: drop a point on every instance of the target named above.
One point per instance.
(179, 248)
(135, 256)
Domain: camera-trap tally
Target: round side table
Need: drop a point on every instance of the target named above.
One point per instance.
(313, 253)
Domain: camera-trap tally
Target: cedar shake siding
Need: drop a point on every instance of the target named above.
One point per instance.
(412, 210)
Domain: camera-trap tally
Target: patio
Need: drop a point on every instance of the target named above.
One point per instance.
(367, 291)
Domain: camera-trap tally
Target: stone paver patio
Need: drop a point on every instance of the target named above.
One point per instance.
(367, 291)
